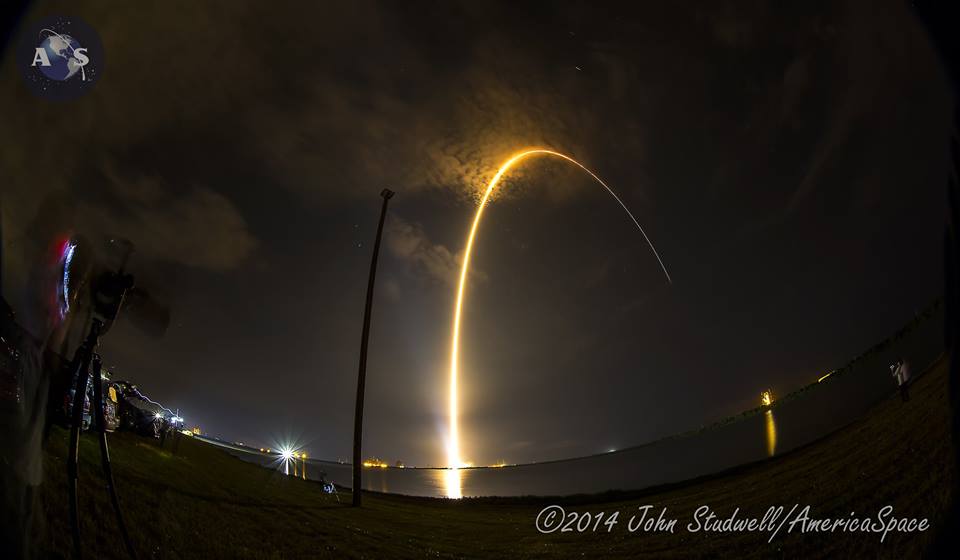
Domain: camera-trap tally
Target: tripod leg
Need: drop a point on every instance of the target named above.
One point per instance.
(82, 363)
(105, 451)
(73, 452)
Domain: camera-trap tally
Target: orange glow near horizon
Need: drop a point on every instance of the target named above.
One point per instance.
(454, 460)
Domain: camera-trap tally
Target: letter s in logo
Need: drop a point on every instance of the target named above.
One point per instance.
(81, 55)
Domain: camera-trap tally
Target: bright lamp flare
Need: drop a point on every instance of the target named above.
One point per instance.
(289, 453)
(453, 445)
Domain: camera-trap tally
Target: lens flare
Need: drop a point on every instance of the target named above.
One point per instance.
(65, 253)
(288, 455)
(453, 443)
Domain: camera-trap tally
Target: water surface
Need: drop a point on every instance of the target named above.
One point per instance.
(790, 423)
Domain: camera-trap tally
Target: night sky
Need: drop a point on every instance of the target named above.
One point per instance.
(788, 162)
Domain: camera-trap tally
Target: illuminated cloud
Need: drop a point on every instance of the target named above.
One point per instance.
(408, 242)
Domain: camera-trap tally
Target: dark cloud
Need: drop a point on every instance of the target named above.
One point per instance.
(195, 227)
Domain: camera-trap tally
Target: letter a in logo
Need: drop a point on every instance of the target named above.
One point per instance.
(40, 55)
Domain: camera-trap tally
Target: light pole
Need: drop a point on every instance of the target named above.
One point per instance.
(362, 375)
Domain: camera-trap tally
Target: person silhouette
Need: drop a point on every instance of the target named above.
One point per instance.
(901, 372)
(904, 380)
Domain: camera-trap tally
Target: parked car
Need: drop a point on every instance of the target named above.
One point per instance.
(137, 414)
(68, 405)
(111, 396)
(111, 405)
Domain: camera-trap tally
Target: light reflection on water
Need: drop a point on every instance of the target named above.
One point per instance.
(771, 433)
(452, 483)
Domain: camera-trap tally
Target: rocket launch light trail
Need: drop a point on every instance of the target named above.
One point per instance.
(453, 445)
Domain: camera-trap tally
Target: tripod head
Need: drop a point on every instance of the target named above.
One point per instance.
(97, 278)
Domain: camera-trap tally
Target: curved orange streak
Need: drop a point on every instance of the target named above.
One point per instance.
(453, 445)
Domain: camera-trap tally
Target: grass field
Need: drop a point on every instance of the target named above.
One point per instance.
(203, 503)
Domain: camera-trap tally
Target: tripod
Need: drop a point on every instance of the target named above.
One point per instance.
(82, 360)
